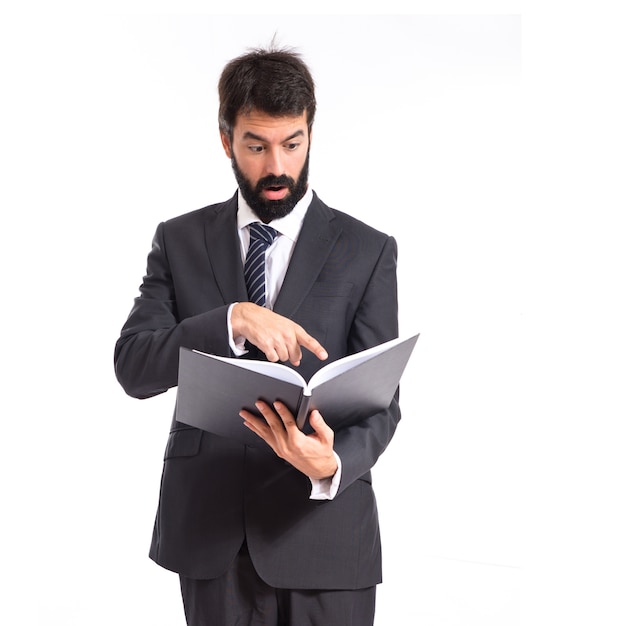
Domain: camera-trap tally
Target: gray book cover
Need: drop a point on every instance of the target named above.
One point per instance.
(212, 390)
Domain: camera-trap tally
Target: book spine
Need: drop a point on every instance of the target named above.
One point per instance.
(303, 410)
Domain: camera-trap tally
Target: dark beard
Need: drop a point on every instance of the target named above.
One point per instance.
(268, 210)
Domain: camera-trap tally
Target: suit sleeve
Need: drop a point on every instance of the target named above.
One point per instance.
(376, 321)
(146, 353)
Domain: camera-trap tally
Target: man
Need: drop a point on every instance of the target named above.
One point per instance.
(286, 532)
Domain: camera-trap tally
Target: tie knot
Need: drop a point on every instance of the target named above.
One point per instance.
(262, 232)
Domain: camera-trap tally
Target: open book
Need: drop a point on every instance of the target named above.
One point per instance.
(213, 389)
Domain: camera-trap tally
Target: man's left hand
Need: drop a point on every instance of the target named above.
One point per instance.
(311, 454)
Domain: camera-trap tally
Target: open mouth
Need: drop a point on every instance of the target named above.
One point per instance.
(275, 192)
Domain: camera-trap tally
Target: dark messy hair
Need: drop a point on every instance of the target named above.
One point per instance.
(274, 81)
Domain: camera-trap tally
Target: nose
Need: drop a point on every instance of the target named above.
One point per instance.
(273, 164)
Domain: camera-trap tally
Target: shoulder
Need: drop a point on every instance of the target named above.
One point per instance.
(350, 225)
(198, 217)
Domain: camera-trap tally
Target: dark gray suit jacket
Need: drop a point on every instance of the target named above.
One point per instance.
(341, 287)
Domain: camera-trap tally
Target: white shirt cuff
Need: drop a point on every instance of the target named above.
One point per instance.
(236, 343)
(326, 489)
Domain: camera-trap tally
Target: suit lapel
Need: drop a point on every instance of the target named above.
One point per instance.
(224, 250)
(317, 237)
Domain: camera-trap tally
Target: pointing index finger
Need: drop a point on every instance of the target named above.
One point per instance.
(313, 345)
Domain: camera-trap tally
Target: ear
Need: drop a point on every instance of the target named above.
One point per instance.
(226, 144)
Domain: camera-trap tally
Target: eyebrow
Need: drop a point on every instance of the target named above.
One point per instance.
(251, 135)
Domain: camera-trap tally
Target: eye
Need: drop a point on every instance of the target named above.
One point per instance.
(292, 145)
(256, 149)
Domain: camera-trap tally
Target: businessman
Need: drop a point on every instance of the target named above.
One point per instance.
(284, 532)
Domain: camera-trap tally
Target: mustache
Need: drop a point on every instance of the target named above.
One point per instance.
(275, 181)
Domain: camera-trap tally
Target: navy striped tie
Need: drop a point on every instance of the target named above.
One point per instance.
(261, 236)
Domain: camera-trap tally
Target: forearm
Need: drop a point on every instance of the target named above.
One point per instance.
(361, 445)
(376, 321)
(146, 356)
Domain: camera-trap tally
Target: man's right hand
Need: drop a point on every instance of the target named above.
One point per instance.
(278, 337)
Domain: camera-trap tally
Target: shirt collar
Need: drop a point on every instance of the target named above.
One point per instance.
(289, 225)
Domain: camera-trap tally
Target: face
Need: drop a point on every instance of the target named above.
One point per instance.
(270, 159)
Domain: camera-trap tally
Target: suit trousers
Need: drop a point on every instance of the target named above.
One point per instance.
(241, 598)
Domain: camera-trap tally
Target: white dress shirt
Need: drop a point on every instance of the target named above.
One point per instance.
(277, 259)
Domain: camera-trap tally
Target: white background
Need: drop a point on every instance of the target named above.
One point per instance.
(505, 482)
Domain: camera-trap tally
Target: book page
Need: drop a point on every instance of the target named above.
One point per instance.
(336, 368)
(274, 370)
